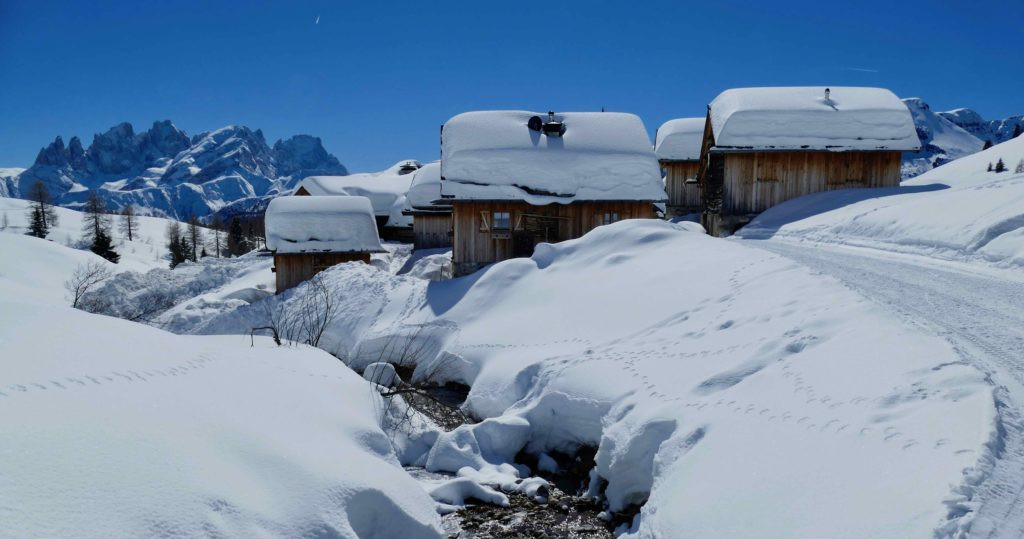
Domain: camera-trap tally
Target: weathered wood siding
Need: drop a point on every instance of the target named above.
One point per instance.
(292, 269)
(756, 181)
(681, 186)
(432, 230)
(476, 242)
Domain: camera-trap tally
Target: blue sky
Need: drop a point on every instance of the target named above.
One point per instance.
(375, 80)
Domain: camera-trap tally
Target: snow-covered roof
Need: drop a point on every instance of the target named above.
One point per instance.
(382, 188)
(680, 139)
(494, 155)
(321, 224)
(425, 191)
(802, 118)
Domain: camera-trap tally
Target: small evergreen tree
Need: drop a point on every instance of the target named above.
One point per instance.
(1000, 166)
(989, 167)
(236, 242)
(195, 238)
(1020, 167)
(4, 223)
(128, 223)
(1016, 131)
(175, 244)
(988, 144)
(96, 228)
(41, 214)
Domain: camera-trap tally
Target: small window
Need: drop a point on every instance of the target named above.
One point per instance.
(502, 220)
(610, 217)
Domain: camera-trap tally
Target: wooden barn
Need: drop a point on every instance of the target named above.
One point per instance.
(516, 179)
(431, 216)
(385, 189)
(677, 145)
(310, 234)
(763, 146)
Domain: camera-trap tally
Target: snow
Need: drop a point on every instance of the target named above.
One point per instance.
(493, 155)
(732, 389)
(802, 118)
(957, 211)
(425, 190)
(680, 139)
(329, 224)
(941, 140)
(384, 188)
(115, 429)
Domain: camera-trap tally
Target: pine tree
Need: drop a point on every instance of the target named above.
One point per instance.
(96, 228)
(1000, 166)
(1016, 131)
(1020, 167)
(236, 243)
(4, 223)
(988, 144)
(175, 244)
(195, 238)
(128, 224)
(989, 167)
(41, 214)
(216, 226)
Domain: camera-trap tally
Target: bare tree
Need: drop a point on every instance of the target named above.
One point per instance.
(313, 308)
(216, 226)
(41, 214)
(128, 224)
(195, 237)
(85, 277)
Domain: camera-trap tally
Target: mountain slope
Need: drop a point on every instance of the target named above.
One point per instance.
(941, 140)
(164, 172)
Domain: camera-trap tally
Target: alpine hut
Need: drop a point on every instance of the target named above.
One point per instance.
(763, 146)
(431, 215)
(516, 178)
(310, 234)
(677, 145)
(385, 189)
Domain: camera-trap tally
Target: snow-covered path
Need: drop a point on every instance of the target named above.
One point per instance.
(981, 312)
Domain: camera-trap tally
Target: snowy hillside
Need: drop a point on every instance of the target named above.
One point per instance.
(941, 140)
(731, 394)
(958, 211)
(164, 172)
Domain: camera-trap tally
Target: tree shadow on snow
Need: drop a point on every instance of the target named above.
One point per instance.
(767, 224)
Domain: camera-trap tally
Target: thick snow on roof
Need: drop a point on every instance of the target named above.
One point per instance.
(382, 188)
(426, 189)
(493, 155)
(333, 224)
(801, 118)
(680, 139)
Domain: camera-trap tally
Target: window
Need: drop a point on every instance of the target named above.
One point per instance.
(610, 217)
(502, 220)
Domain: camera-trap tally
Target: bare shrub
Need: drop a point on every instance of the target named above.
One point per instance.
(85, 278)
(305, 320)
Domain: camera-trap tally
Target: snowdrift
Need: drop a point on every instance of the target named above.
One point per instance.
(730, 391)
(958, 211)
(115, 429)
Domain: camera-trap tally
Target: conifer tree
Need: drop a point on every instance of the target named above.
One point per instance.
(175, 244)
(236, 242)
(988, 144)
(96, 228)
(216, 227)
(1020, 167)
(1016, 131)
(1000, 166)
(989, 167)
(128, 223)
(195, 238)
(41, 214)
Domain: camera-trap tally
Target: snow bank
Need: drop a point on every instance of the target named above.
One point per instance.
(493, 155)
(114, 429)
(957, 211)
(383, 188)
(330, 224)
(733, 390)
(680, 139)
(802, 118)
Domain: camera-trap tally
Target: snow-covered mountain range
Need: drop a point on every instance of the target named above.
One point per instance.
(946, 136)
(164, 172)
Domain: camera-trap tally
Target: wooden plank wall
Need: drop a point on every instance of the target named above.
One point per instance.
(756, 181)
(469, 244)
(290, 270)
(682, 193)
(432, 230)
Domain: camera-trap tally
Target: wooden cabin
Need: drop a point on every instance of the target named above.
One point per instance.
(677, 145)
(385, 189)
(309, 234)
(431, 215)
(763, 146)
(515, 179)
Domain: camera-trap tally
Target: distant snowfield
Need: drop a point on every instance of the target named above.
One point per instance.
(736, 392)
(958, 211)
